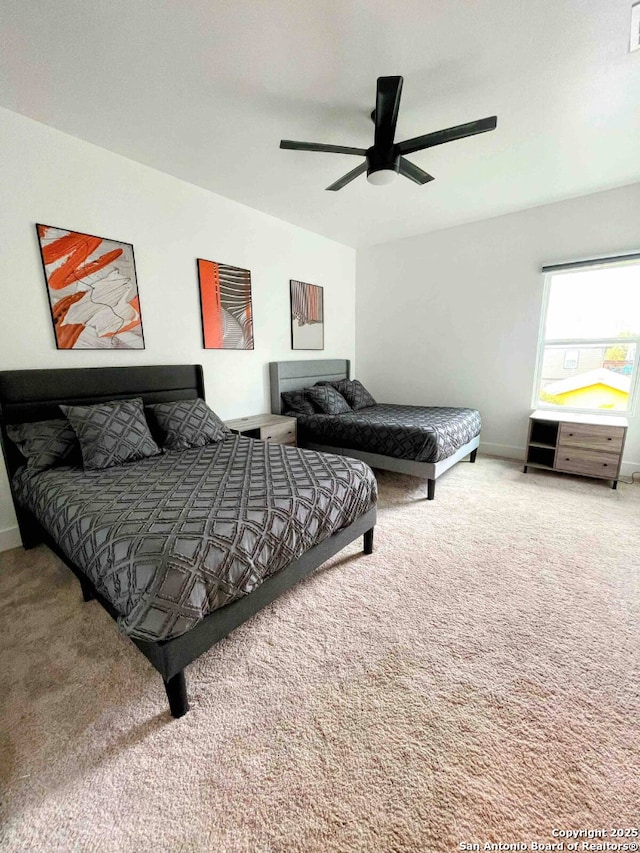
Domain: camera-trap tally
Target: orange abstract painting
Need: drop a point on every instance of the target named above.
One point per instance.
(93, 290)
(227, 313)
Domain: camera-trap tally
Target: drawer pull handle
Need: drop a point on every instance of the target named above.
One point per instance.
(570, 434)
(609, 438)
(605, 465)
(567, 459)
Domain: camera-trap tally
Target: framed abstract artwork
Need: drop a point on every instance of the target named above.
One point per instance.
(307, 316)
(227, 311)
(92, 288)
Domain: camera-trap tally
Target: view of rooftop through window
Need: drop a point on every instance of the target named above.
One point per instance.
(589, 350)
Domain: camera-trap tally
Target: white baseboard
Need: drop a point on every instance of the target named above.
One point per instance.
(10, 538)
(505, 451)
(508, 451)
(628, 468)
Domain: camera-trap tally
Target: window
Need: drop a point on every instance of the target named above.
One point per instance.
(571, 359)
(590, 336)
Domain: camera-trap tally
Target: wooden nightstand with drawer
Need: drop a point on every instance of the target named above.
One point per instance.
(589, 445)
(277, 429)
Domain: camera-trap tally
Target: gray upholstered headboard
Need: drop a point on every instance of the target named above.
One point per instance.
(292, 375)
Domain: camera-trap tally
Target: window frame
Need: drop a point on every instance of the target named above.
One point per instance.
(576, 343)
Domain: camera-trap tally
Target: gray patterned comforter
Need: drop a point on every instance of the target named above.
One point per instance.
(171, 538)
(421, 433)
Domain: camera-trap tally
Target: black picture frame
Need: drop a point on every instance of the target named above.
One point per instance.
(129, 246)
(205, 324)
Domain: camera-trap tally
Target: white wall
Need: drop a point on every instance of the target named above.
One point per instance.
(452, 318)
(50, 177)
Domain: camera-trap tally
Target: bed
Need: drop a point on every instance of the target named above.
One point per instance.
(182, 547)
(418, 440)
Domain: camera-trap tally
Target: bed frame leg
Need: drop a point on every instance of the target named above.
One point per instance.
(474, 453)
(368, 541)
(431, 489)
(28, 532)
(87, 591)
(176, 688)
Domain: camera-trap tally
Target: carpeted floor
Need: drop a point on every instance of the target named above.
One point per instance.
(475, 679)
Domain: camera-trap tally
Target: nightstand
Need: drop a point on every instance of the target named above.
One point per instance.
(278, 429)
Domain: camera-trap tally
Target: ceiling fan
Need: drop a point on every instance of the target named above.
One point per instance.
(385, 159)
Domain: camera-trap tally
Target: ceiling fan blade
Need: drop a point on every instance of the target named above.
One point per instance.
(319, 146)
(429, 140)
(386, 114)
(346, 179)
(414, 173)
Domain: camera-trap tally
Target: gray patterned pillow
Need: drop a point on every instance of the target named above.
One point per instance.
(46, 444)
(188, 423)
(296, 401)
(326, 399)
(354, 393)
(111, 433)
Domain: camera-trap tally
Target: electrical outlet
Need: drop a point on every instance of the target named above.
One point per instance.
(635, 27)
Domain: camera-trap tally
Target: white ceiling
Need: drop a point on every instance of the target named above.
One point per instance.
(205, 90)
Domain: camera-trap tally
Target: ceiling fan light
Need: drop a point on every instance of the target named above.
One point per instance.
(381, 177)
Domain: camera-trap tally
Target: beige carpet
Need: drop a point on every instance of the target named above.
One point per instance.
(476, 679)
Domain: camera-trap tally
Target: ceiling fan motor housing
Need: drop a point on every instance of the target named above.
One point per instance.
(383, 159)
